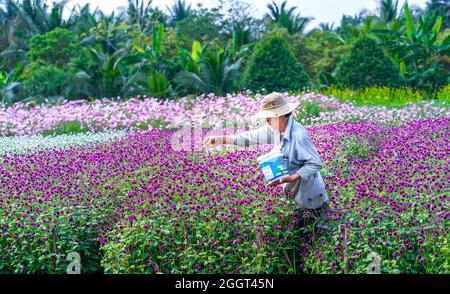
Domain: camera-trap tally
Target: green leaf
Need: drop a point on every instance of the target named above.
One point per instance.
(157, 38)
(138, 48)
(403, 68)
(423, 26)
(437, 26)
(196, 48)
(410, 27)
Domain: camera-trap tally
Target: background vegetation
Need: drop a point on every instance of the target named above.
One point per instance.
(144, 50)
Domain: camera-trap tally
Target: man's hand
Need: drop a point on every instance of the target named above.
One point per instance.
(212, 141)
(291, 178)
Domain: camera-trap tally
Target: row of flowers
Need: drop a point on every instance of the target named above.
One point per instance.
(148, 113)
(30, 144)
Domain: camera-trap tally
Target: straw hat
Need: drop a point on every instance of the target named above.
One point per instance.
(275, 105)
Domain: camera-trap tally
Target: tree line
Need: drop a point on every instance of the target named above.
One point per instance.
(183, 50)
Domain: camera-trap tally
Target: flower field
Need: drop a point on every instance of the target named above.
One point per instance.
(128, 202)
(26, 119)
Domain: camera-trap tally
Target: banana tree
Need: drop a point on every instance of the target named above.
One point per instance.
(190, 61)
(440, 7)
(147, 57)
(422, 57)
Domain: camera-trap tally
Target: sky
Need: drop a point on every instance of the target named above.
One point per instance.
(326, 11)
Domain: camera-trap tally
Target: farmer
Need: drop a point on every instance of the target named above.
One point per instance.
(305, 181)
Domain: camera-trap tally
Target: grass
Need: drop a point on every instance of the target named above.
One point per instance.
(66, 127)
(389, 97)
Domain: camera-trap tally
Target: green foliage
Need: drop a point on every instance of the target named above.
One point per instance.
(391, 97)
(217, 73)
(147, 41)
(202, 25)
(109, 32)
(420, 51)
(158, 244)
(444, 93)
(440, 8)
(179, 10)
(308, 110)
(159, 85)
(388, 10)
(356, 149)
(320, 52)
(367, 66)
(66, 127)
(10, 85)
(139, 11)
(239, 25)
(56, 47)
(149, 57)
(286, 18)
(150, 124)
(190, 61)
(45, 251)
(274, 67)
(44, 80)
(102, 76)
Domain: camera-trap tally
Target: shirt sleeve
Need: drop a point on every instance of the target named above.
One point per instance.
(262, 135)
(305, 151)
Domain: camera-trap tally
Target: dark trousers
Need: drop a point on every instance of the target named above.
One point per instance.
(307, 217)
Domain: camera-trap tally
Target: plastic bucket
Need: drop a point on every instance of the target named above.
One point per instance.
(273, 165)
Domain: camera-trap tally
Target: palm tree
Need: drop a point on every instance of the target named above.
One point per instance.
(388, 10)
(102, 76)
(8, 10)
(356, 20)
(13, 37)
(158, 85)
(82, 19)
(35, 14)
(276, 10)
(326, 27)
(138, 12)
(179, 10)
(7, 18)
(37, 18)
(217, 73)
(55, 18)
(294, 23)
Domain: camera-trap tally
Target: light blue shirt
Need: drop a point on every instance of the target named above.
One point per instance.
(302, 158)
